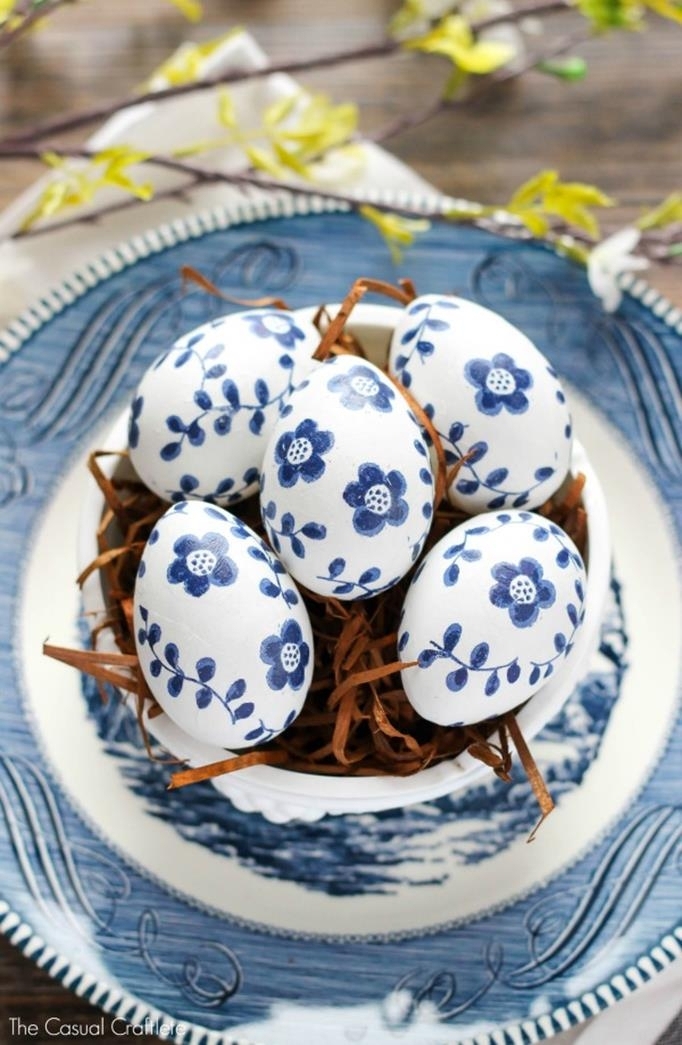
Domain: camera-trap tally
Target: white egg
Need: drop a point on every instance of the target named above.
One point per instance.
(222, 634)
(347, 486)
(493, 397)
(203, 412)
(491, 613)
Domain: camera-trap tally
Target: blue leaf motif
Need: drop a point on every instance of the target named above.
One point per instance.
(314, 531)
(513, 673)
(572, 614)
(262, 391)
(244, 710)
(451, 637)
(400, 362)
(497, 502)
(471, 555)
(236, 690)
(343, 589)
(451, 575)
(203, 697)
(467, 486)
(196, 434)
(492, 684)
(154, 634)
(213, 352)
(563, 558)
(298, 548)
(203, 399)
(425, 348)
(174, 685)
(268, 588)
(288, 523)
(520, 501)
(457, 680)
(436, 324)
(543, 473)
(336, 566)
(231, 393)
(183, 358)
(426, 658)
(286, 362)
(175, 424)
(155, 668)
(559, 642)
(419, 306)
(254, 734)
(456, 432)
(534, 675)
(170, 451)
(256, 422)
(476, 452)
(171, 653)
(216, 371)
(369, 576)
(206, 668)
(270, 510)
(497, 476)
(409, 335)
(479, 654)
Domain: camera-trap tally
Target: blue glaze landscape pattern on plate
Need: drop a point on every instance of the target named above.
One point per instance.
(108, 917)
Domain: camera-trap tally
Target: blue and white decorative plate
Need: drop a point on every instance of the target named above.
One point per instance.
(432, 924)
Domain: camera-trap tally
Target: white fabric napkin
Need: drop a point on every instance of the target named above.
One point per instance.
(31, 266)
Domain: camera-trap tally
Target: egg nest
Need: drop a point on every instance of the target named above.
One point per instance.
(356, 720)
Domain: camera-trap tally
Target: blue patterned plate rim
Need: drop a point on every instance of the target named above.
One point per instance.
(115, 260)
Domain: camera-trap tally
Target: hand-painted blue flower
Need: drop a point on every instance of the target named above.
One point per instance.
(201, 562)
(133, 426)
(377, 499)
(287, 654)
(277, 325)
(299, 453)
(521, 590)
(500, 383)
(361, 387)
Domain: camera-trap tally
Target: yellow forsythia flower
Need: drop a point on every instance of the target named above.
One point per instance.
(545, 195)
(76, 186)
(669, 212)
(454, 38)
(397, 231)
(186, 64)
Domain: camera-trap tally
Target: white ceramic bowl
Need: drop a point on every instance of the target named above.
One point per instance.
(281, 795)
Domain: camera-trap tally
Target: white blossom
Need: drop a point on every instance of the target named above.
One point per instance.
(609, 260)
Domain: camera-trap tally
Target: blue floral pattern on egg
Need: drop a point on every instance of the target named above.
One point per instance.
(222, 634)
(202, 414)
(493, 397)
(492, 613)
(347, 487)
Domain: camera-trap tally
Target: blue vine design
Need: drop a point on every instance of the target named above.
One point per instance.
(204, 694)
(457, 679)
(225, 490)
(494, 479)
(415, 336)
(313, 531)
(193, 431)
(365, 585)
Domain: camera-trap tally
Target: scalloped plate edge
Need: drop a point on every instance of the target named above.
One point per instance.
(124, 255)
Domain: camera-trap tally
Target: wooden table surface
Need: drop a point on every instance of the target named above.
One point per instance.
(619, 129)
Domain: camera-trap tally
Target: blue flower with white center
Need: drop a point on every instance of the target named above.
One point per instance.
(522, 590)
(133, 426)
(287, 654)
(499, 383)
(299, 453)
(377, 499)
(201, 562)
(277, 325)
(361, 387)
